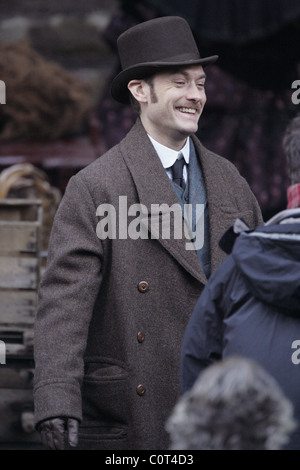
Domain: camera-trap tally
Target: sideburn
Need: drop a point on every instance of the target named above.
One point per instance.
(153, 95)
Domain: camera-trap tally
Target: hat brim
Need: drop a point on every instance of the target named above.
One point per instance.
(119, 90)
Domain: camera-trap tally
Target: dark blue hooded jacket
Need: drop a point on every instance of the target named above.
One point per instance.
(251, 307)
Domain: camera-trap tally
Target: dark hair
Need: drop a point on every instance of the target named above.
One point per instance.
(291, 147)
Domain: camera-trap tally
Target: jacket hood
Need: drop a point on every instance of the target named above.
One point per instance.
(269, 261)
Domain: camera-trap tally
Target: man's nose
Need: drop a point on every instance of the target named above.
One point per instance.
(195, 93)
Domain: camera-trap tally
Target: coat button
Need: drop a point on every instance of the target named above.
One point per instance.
(143, 286)
(140, 336)
(141, 389)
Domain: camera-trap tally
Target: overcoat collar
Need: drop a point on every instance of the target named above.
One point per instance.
(154, 188)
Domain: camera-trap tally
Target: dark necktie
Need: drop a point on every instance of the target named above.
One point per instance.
(177, 171)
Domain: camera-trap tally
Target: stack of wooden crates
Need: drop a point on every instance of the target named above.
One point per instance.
(20, 270)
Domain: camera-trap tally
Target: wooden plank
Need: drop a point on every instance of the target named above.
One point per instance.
(21, 209)
(19, 237)
(15, 378)
(17, 339)
(17, 307)
(15, 349)
(20, 273)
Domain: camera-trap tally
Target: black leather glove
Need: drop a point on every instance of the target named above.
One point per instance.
(56, 431)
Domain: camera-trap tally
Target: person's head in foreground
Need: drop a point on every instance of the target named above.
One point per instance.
(233, 405)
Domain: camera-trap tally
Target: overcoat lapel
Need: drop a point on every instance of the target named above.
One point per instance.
(222, 211)
(154, 189)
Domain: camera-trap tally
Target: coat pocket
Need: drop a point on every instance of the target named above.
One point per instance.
(105, 400)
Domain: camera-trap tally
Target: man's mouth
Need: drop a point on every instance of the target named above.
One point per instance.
(187, 110)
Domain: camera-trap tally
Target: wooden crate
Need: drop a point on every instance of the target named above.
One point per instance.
(20, 269)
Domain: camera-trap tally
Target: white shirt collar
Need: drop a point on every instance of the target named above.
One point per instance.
(169, 156)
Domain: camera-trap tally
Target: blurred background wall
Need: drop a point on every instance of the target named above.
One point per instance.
(68, 32)
(55, 64)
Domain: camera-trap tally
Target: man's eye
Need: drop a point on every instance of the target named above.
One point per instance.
(180, 83)
(200, 85)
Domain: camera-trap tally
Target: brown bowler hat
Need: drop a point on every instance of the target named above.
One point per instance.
(153, 45)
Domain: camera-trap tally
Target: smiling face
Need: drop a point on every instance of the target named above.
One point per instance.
(171, 104)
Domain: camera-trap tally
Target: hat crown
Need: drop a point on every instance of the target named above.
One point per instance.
(161, 39)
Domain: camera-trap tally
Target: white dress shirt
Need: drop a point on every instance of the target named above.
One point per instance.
(169, 156)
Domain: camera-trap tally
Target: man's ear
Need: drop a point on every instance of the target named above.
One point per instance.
(138, 90)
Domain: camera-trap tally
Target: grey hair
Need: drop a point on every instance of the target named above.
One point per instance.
(234, 405)
(291, 147)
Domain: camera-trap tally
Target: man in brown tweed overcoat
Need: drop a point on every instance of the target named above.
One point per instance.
(118, 290)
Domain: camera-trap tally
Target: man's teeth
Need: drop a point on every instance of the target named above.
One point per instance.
(187, 110)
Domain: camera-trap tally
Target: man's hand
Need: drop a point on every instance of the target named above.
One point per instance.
(53, 432)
